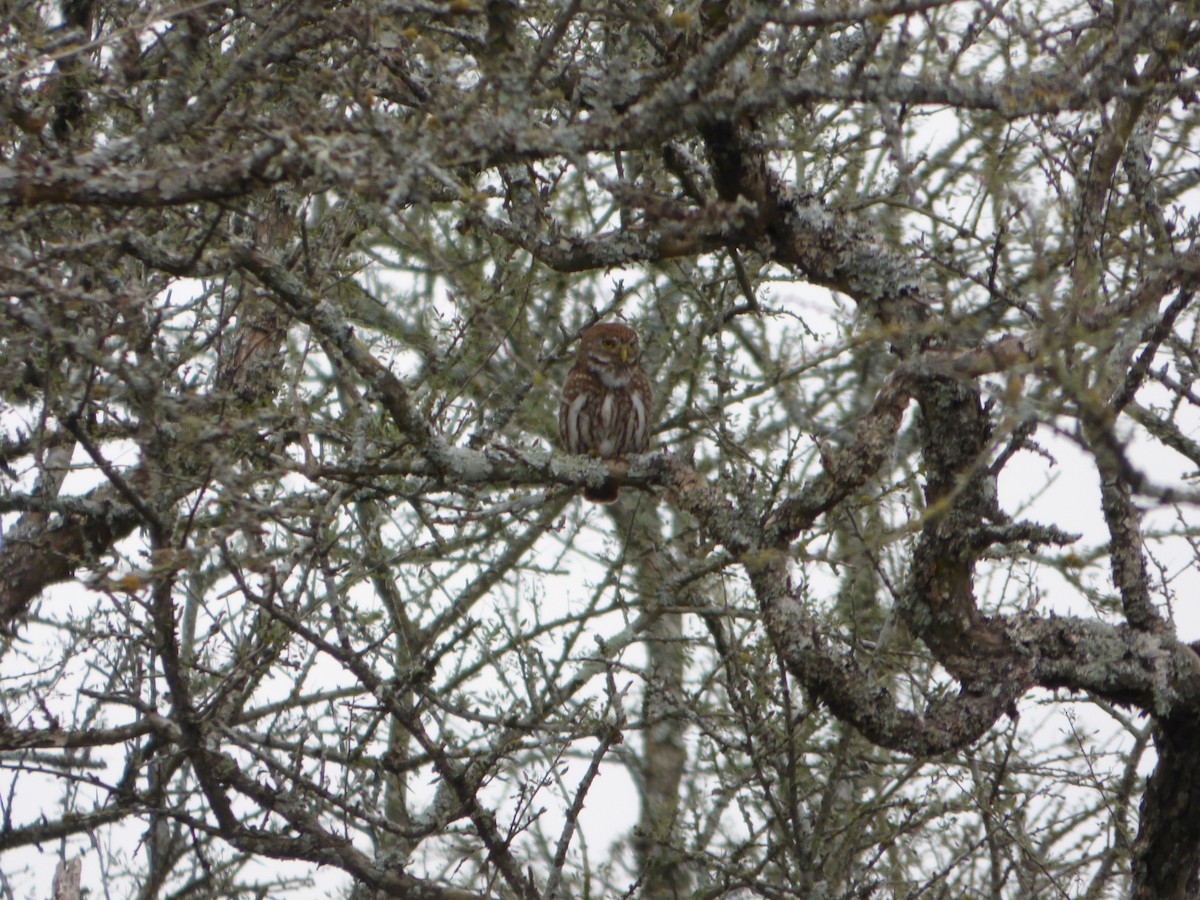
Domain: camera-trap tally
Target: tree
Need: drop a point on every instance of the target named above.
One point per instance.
(295, 581)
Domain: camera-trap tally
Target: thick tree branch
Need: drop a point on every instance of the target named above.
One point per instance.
(94, 182)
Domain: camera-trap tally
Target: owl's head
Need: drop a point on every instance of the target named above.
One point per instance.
(609, 346)
(610, 351)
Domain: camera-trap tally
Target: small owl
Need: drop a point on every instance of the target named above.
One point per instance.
(605, 406)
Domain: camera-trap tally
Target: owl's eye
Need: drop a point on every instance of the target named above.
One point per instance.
(608, 343)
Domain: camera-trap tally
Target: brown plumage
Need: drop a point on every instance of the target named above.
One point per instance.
(605, 406)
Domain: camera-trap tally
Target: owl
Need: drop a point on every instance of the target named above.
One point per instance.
(605, 406)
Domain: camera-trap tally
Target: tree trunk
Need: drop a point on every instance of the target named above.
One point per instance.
(1167, 850)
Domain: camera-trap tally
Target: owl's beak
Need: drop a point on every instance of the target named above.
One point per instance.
(625, 348)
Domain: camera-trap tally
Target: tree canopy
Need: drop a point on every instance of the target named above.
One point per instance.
(298, 591)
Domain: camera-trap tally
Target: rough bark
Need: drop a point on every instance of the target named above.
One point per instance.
(1167, 849)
